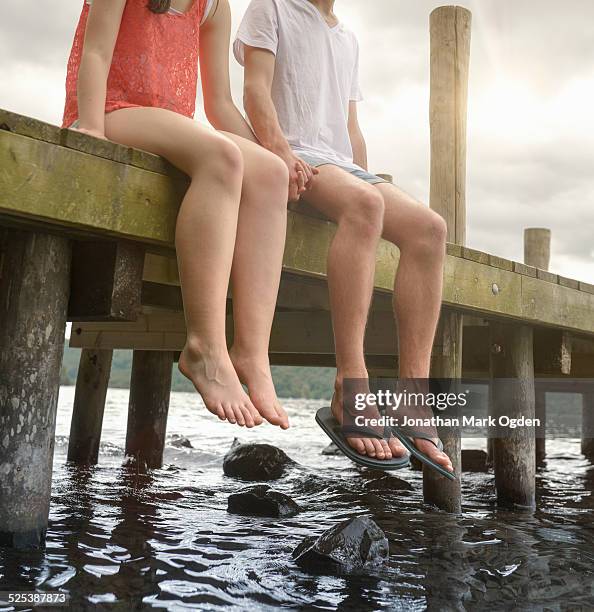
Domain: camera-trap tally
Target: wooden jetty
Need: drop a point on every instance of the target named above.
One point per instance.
(87, 235)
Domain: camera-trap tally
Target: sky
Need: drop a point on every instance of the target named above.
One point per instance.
(530, 118)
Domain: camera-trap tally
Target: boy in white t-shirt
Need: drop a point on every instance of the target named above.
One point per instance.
(301, 93)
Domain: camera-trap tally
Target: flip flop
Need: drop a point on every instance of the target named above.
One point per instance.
(407, 436)
(327, 421)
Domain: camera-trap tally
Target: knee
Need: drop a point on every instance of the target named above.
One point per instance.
(273, 176)
(430, 239)
(366, 214)
(223, 161)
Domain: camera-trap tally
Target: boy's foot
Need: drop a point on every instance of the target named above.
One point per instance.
(371, 447)
(214, 377)
(255, 373)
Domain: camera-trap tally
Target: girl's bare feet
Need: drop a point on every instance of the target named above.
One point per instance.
(372, 447)
(214, 377)
(254, 372)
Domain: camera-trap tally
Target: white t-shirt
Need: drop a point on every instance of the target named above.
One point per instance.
(315, 77)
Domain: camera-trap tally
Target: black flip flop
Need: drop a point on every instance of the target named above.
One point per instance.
(407, 436)
(326, 420)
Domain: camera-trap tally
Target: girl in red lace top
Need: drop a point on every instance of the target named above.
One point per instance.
(132, 78)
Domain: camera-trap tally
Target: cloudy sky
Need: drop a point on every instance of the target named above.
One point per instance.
(531, 125)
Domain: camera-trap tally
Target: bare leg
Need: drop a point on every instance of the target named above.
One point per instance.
(256, 272)
(205, 241)
(355, 206)
(420, 234)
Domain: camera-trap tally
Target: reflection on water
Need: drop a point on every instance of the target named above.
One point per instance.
(119, 540)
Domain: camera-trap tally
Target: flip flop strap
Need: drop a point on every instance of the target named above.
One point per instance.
(361, 432)
(411, 433)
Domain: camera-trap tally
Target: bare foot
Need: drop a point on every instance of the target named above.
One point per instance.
(256, 375)
(372, 447)
(215, 379)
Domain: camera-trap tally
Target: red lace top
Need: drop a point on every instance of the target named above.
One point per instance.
(155, 61)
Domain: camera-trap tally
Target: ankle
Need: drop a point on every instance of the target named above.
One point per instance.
(247, 355)
(198, 347)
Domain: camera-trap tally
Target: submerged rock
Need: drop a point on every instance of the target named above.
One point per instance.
(262, 501)
(356, 543)
(180, 441)
(331, 449)
(388, 483)
(255, 461)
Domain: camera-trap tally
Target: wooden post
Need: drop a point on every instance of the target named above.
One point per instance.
(588, 425)
(89, 403)
(150, 388)
(512, 395)
(34, 286)
(450, 58)
(537, 253)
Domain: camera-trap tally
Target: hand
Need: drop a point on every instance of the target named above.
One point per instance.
(95, 133)
(301, 175)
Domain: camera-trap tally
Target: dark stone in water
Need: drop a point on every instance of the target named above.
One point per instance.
(331, 449)
(180, 441)
(388, 483)
(475, 461)
(262, 501)
(356, 543)
(255, 461)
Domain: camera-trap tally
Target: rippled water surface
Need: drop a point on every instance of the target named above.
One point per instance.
(121, 541)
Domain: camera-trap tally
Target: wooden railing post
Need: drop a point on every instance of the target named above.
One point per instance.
(588, 425)
(450, 59)
(89, 404)
(537, 253)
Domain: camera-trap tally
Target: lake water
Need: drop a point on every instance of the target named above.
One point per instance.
(119, 541)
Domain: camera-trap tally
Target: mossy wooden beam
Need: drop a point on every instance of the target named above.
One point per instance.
(79, 190)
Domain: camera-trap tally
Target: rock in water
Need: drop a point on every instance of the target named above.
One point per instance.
(331, 449)
(180, 441)
(262, 501)
(255, 461)
(353, 544)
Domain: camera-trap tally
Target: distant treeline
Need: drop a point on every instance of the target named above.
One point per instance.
(306, 383)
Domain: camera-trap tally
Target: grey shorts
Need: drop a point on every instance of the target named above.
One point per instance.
(315, 161)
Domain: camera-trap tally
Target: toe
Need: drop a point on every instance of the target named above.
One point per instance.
(379, 449)
(369, 447)
(220, 412)
(282, 415)
(386, 448)
(357, 444)
(396, 448)
(229, 413)
(239, 416)
(247, 415)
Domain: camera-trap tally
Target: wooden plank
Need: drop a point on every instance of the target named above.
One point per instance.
(33, 128)
(500, 262)
(569, 282)
(524, 269)
(549, 277)
(84, 194)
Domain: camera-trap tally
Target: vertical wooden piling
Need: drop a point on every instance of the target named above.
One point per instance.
(34, 286)
(588, 425)
(537, 253)
(512, 395)
(150, 388)
(89, 404)
(450, 59)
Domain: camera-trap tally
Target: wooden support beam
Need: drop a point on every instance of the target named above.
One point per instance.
(537, 253)
(512, 395)
(450, 58)
(34, 285)
(150, 390)
(588, 425)
(106, 281)
(89, 404)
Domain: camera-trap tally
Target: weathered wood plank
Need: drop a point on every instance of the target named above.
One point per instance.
(85, 194)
